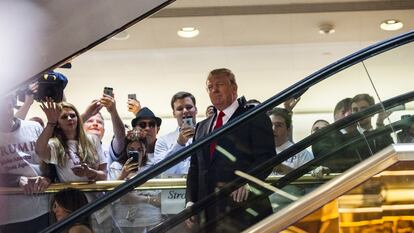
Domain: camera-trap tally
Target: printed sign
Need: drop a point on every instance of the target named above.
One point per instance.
(172, 201)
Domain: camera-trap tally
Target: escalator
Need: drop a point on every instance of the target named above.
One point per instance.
(373, 196)
(340, 147)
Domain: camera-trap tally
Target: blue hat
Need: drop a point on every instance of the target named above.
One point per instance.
(145, 113)
(56, 77)
(51, 84)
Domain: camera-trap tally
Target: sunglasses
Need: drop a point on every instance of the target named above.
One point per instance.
(144, 124)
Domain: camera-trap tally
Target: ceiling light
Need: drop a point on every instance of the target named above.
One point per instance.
(124, 35)
(391, 25)
(326, 29)
(188, 32)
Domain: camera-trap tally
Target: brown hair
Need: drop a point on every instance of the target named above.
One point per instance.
(70, 199)
(123, 157)
(369, 99)
(182, 95)
(283, 113)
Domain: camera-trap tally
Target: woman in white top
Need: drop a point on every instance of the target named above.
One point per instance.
(63, 143)
(138, 211)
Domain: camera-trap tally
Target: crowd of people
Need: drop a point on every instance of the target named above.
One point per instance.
(68, 148)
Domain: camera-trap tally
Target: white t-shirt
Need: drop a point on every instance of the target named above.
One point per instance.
(17, 156)
(72, 158)
(166, 146)
(297, 160)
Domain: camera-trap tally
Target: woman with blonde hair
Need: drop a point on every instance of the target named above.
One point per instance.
(77, 156)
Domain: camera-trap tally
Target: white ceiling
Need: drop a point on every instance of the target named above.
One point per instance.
(267, 52)
(52, 31)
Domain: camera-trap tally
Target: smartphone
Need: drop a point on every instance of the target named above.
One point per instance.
(77, 168)
(188, 120)
(134, 155)
(132, 96)
(109, 91)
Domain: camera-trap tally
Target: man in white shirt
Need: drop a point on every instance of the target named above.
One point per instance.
(282, 120)
(183, 105)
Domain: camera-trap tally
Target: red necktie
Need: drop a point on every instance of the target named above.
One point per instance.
(219, 123)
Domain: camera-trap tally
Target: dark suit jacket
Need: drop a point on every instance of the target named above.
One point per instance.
(250, 144)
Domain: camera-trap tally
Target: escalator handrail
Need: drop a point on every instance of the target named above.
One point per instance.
(260, 109)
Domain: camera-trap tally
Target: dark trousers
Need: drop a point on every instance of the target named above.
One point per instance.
(35, 225)
(229, 216)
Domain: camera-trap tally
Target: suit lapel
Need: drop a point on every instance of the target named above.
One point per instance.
(237, 113)
(204, 129)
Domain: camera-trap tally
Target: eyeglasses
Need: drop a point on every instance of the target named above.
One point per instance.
(144, 124)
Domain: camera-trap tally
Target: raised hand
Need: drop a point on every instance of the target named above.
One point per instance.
(382, 116)
(186, 133)
(93, 108)
(29, 97)
(108, 102)
(134, 106)
(51, 110)
(291, 103)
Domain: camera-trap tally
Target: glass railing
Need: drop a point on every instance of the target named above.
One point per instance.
(245, 148)
(168, 194)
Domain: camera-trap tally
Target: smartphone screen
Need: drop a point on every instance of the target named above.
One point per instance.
(109, 91)
(188, 120)
(134, 155)
(132, 96)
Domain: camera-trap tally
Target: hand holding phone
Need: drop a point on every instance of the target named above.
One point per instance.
(78, 170)
(134, 105)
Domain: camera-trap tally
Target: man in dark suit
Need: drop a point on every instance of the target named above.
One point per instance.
(248, 146)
